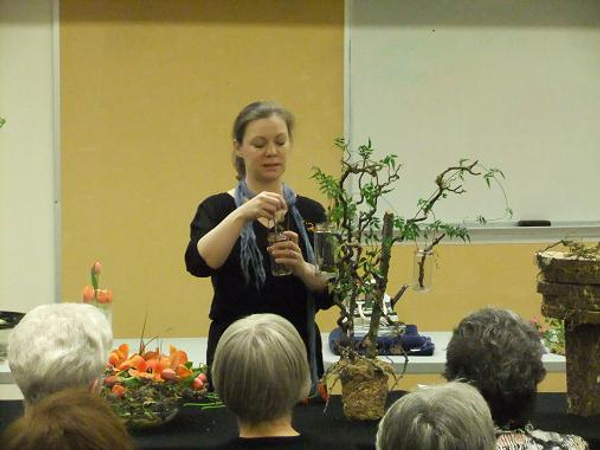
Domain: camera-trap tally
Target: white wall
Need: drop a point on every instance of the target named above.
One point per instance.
(28, 252)
(514, 83)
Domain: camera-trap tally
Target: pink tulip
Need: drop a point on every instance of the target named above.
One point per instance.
(197, 384)
(168, 374)
(97, 268)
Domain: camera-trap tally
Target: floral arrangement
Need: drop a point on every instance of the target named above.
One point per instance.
(552, 333)
(93, 294)
(146, 388)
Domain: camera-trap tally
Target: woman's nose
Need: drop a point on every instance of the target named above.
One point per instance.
(271, 149)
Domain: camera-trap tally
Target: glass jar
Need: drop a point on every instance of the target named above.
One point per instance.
(423, 262)
(326, 247)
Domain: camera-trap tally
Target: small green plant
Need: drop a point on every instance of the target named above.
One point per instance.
(552, 333)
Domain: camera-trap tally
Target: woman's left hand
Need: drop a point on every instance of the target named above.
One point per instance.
(289, 253)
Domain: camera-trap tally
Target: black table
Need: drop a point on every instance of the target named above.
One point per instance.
(193, 428)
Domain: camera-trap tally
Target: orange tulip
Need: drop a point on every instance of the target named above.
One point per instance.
(104, 295)
(88, 294)
(124, 350)
(183, 372)
(118, 390)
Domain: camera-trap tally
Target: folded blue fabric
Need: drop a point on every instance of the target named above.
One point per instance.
(413, 343)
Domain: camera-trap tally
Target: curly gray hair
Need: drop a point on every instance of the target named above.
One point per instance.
(58, 346)
(500, 354)
(452, 416)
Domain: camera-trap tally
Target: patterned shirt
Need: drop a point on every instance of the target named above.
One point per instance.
(529, 438)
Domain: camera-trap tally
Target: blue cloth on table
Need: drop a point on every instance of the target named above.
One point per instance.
(413, 343)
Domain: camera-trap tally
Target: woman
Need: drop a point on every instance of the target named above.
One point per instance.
(228, 239)
(501, 355)
(452, 416)
(260, 372)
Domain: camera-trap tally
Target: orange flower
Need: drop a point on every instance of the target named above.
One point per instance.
(104, 295)
(322, 388)
(118, 356)
(88, 294)
(118, 390)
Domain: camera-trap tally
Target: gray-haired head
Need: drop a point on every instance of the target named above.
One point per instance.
(452, 416)
(256, 111)
(58, 346)
(260, 369)
(499, 353)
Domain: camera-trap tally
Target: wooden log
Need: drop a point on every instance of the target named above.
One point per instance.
(552, 307)
(573, 296)
(583, 368)
(570, 288)
(557, 267)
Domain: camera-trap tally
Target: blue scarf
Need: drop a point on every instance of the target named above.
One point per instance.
(251, 257)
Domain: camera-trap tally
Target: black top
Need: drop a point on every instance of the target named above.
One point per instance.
(233, 297)
(275, 443)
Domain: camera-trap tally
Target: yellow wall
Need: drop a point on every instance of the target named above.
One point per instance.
(149, 90)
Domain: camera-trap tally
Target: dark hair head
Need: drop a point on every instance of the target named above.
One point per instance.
(501, 355)
(256, 111)
(71, 419)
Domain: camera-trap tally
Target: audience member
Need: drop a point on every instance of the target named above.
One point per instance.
(58, 346)
(71, 419)
(501, 355)
(260, 371)
(452, 416)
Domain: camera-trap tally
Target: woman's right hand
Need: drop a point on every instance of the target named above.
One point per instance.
(264, 205)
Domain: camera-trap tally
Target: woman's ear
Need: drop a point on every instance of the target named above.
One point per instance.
(236, 148)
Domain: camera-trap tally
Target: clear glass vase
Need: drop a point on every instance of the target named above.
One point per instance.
(107, 310)
(423, 262)
(326, 247)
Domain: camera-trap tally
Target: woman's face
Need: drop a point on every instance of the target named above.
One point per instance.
(264, 149)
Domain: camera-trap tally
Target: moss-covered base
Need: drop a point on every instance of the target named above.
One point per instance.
(364, 388)
(559, 267)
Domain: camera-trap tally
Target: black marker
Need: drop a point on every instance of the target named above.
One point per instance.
(534, 223)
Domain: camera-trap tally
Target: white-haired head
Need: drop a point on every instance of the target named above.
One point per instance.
(58, 346)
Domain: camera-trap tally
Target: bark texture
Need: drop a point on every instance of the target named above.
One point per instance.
(571, 292)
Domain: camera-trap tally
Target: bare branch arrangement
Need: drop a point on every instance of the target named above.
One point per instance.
(365, 240)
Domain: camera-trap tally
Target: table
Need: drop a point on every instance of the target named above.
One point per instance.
(193, 428)
(196, 350)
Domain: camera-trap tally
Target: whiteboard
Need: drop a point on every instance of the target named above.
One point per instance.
(514, 84)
